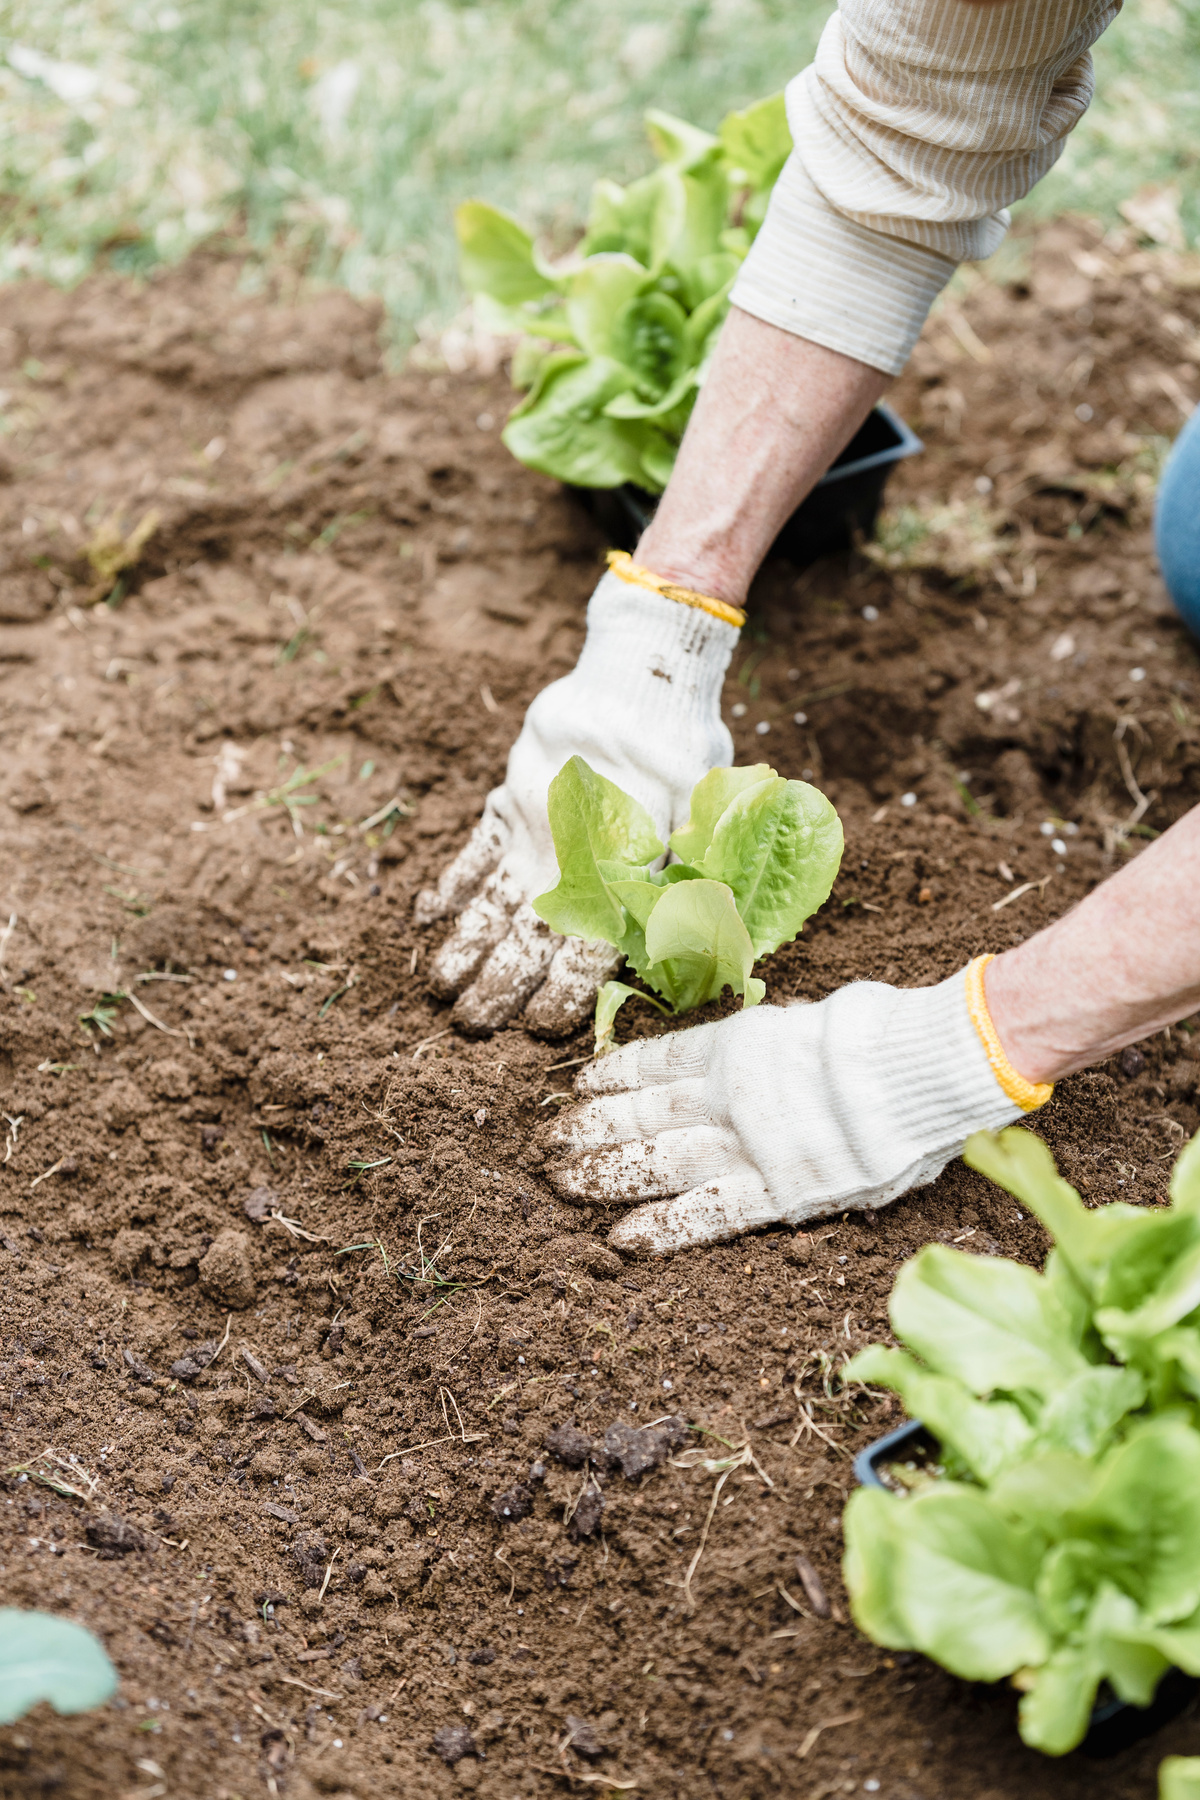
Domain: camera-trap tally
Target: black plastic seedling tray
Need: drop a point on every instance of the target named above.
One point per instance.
(1115, 1724)
(842, 507)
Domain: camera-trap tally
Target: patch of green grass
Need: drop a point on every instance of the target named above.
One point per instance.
(341, 137)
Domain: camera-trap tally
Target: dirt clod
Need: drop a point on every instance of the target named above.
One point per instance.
(567, 1444)
(259, 1204)
(453, 1742)
(513, 1504)
(635, 1450)
(226, 1273)
(113, 1536)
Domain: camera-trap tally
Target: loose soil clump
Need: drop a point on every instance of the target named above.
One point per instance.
(375, 1468)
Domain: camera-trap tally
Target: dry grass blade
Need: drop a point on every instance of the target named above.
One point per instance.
(814, 1731)
(81, 1486)
(224, 1340)
(151, 1020)
(741, 1459)
(461, 1436)
(46, 1173)
(808, 1423)
(295, 1681)
(297, 1230)
(328, 1573)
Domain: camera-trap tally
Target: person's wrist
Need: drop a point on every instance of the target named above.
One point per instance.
(1022, 1023)
(714, 575)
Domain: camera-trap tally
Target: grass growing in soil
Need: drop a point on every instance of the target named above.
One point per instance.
(342, 136)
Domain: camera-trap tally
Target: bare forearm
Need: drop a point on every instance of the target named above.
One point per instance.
(773, 414)
(1123, 964)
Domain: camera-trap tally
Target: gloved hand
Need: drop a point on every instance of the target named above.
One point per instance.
(642, 706)
(786, 1113)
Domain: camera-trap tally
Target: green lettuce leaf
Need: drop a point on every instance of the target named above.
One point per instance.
(944, 1572)
(593, 822)
(695, 252)
(657, 460)
(712, 794)
(496, 255)
(1044, 1488)
(778, 844)
(1082, 1415)
(643, 219)
(561, 427)
(1054, 1713)
(647, 335)
(676, 142)
(1185, 1178)
(1179, 1778)
(1144, 1512)
(987, 1436)
(1114, 1644)
(696, 946)
(992, 1323)
(629, 406)
(609, 1001)
(757, 142)
(597, 296)
(1117, 1253)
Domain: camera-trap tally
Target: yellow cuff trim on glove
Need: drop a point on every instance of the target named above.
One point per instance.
(1028, 1095)
(623, 566)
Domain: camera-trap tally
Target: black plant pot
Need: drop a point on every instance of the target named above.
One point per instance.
(843, 506)
(1114, 1724)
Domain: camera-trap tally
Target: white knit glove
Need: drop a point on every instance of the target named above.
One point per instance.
(783, 1113)
(643, 707)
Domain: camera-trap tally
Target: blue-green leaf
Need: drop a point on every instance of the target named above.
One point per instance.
(46, 1658)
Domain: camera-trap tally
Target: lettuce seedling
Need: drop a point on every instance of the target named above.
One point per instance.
(757, 855)
(1061, 1545)
(614, 345)
(1179, 1778)
(46, 1658)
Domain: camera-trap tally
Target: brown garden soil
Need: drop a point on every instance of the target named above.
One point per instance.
(332, 1557)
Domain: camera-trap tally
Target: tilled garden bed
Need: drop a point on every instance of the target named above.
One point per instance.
(390, 1477)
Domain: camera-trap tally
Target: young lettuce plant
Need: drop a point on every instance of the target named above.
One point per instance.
(616, 342)
(1061, 1546)
(46, 1658)
(757, 856)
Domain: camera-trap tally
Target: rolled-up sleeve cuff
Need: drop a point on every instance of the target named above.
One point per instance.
(821, 276)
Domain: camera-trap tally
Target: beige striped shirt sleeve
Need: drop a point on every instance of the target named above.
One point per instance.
(917, 125)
